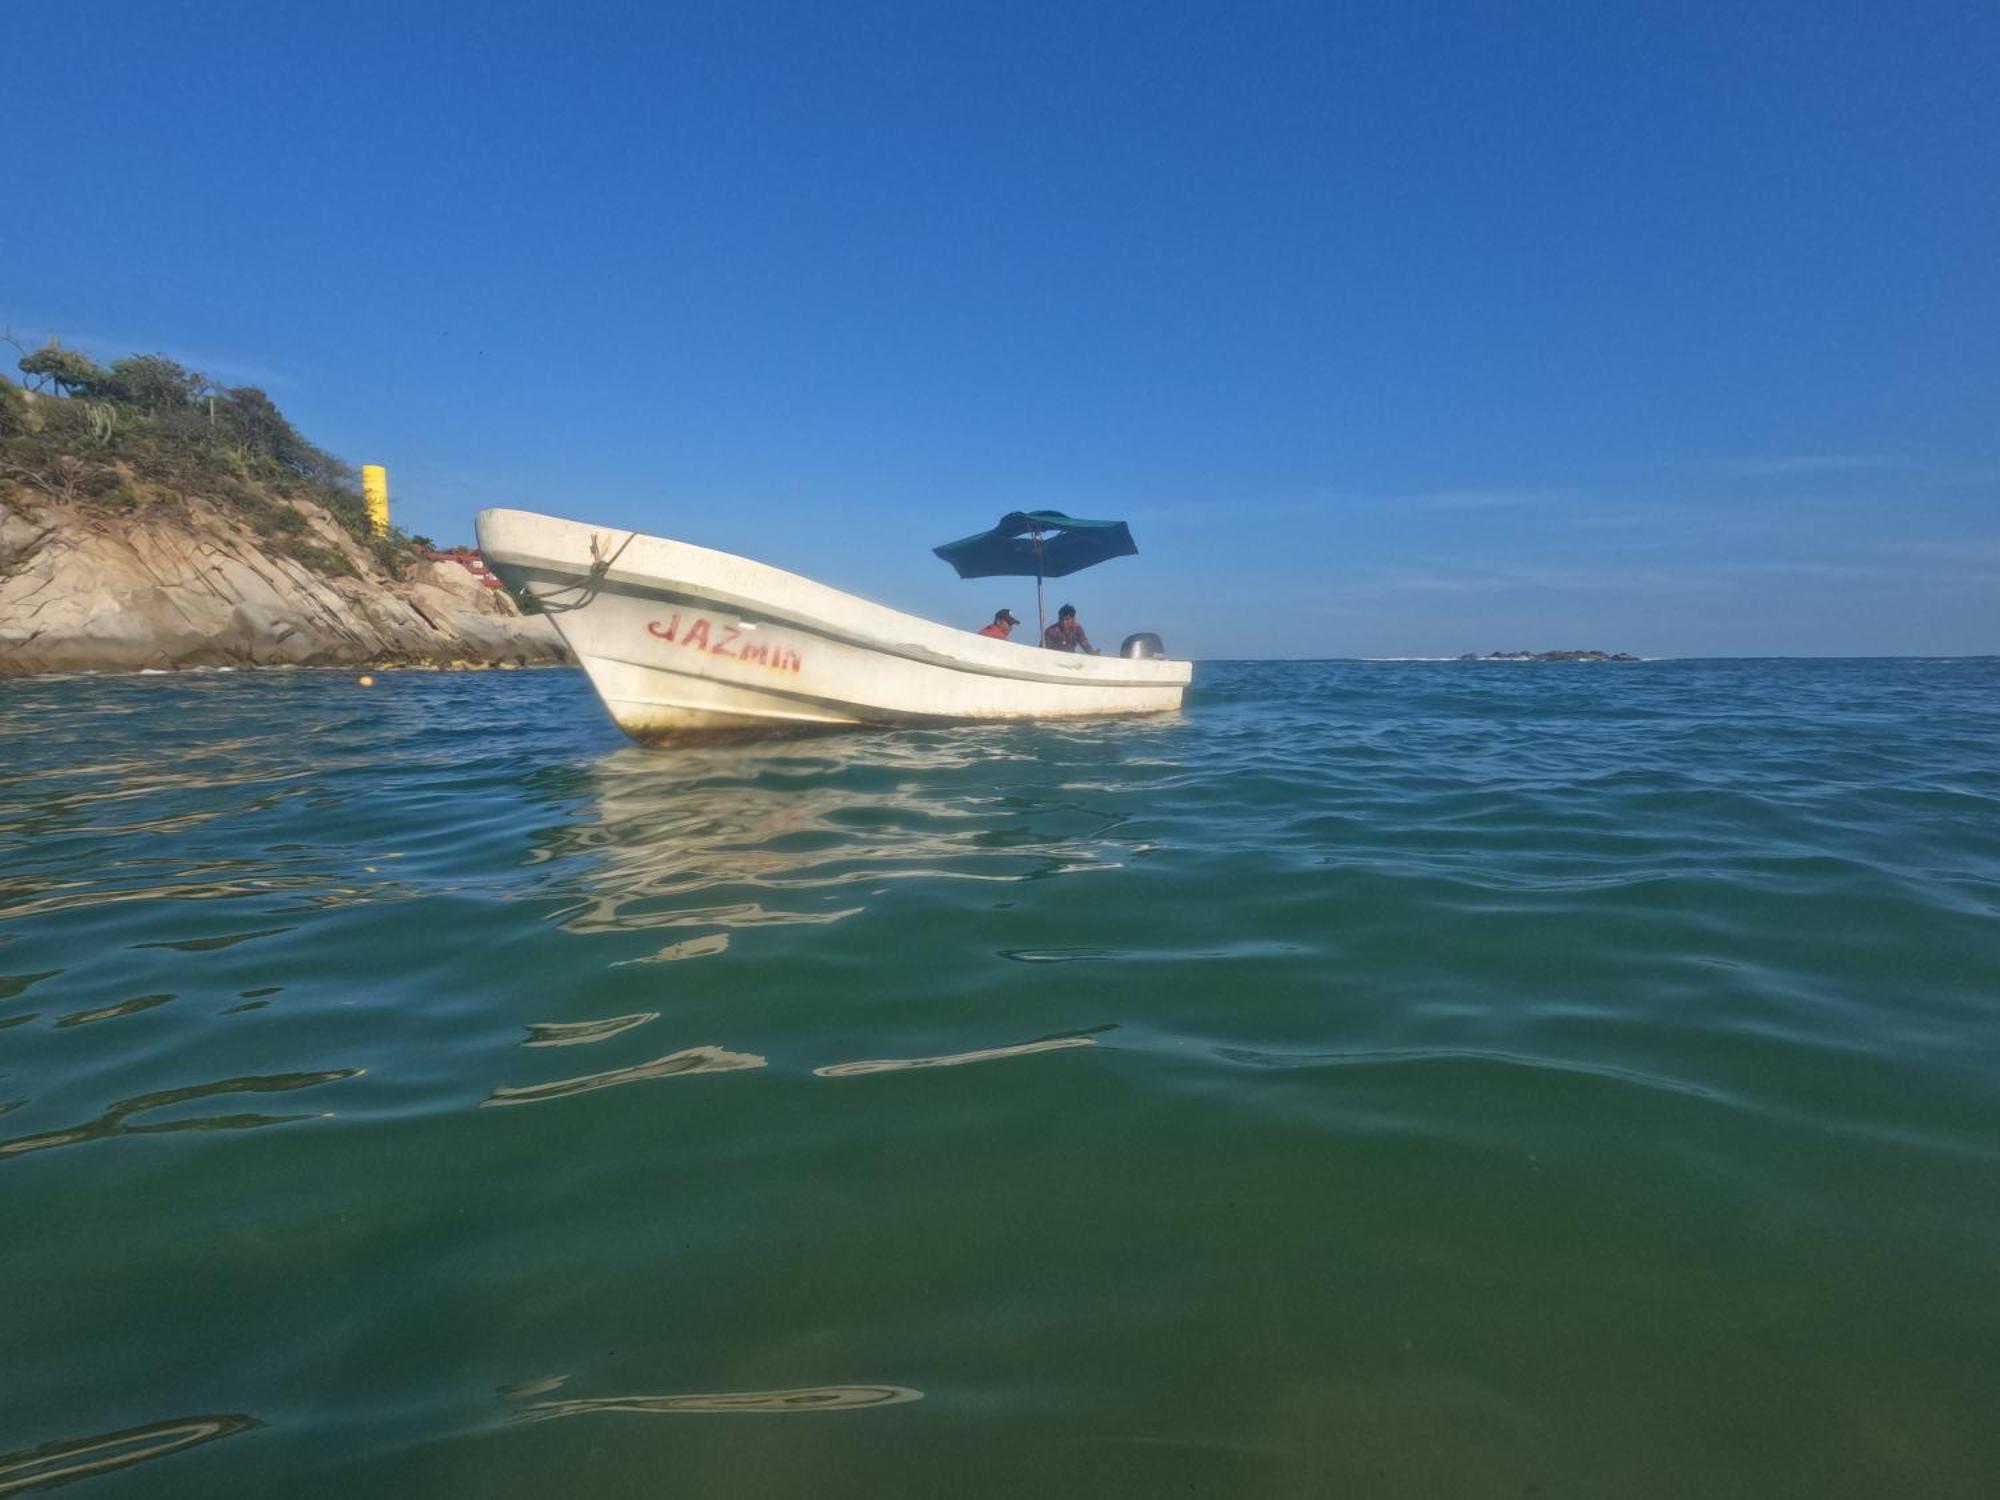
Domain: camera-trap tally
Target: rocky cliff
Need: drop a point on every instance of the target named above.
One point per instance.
(89, 587)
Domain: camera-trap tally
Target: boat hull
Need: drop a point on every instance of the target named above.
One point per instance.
(685, 642)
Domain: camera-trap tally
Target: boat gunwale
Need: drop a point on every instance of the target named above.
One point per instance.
(558, 575)
(859, 715)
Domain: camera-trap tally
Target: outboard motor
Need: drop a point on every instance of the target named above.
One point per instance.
(1145, 645)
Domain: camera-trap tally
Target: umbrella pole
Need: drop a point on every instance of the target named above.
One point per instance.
(1041, 609)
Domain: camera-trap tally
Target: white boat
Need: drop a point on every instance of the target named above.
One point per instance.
(682, 641)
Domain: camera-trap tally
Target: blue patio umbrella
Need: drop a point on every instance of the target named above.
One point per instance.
(1041, 543)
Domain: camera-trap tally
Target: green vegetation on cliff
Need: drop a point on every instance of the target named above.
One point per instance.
(146, 432)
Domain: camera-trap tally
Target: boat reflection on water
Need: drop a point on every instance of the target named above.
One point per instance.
(584, 1033)
(71, 1459)
(952, 1060)
(117, 1120)
(674, 1065)
(816, 1398)
(729, 837)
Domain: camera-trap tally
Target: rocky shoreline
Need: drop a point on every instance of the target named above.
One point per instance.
(87, 588)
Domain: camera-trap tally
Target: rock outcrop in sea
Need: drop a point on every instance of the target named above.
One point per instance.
(1551, 656)
(86, 588)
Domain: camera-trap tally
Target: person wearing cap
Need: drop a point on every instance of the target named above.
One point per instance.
(1066, 634)
(1002, 626)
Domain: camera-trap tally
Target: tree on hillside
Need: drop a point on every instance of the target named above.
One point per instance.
(153, 383)
(71, 372)
(254, 420)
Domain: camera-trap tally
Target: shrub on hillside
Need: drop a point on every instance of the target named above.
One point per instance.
(13, 412)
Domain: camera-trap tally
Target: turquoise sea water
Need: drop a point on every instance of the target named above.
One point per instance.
(1420, 1079)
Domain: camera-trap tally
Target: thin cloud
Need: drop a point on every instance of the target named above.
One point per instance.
(1480, 499)
(1782, 466)
(1381, 590)
(1341, 502)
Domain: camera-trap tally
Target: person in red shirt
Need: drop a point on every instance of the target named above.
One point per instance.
(1066, 634)
(1002, 626)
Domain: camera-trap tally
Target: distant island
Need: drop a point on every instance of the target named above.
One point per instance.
(152, 518)
(1551, 656)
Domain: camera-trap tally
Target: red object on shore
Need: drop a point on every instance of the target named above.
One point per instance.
(469, 559)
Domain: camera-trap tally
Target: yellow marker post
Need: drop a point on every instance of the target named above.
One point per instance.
(375, 490)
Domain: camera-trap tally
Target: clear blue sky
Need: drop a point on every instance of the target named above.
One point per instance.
(1392, 328)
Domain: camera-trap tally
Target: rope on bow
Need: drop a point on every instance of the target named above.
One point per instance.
(592, 582)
